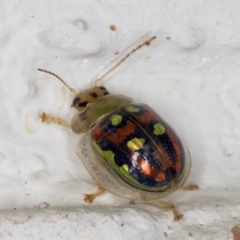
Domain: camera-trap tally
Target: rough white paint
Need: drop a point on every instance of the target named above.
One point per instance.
(192, 80)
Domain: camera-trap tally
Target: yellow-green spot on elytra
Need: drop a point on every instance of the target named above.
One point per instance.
(125, 166)
(122, 170)
(159, 129)
(135, 143)
(132, 109)
(116, 119)
(108, 155)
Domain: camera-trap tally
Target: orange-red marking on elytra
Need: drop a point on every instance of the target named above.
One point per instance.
(116, 137)
(147, 116)
(149, 171)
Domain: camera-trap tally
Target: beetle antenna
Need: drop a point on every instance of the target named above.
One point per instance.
(73, 91)
(147, 42)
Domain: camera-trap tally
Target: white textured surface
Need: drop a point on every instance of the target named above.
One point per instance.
(191, 80)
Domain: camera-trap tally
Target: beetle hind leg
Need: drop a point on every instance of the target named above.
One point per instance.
(89, 198)
(50, 119)
(169, 206)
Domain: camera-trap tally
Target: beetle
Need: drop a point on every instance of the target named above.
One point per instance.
(127, 148)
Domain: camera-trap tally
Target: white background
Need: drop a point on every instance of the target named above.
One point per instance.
(189, 75)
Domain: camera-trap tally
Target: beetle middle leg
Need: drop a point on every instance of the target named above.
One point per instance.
(190, 187)
(50, 119)
(89, 198)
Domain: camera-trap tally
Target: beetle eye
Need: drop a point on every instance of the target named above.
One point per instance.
(83, 104)
(105, 91)
(101, 87)
(93, 94)
(75, 101)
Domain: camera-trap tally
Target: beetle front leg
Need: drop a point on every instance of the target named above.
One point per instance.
(50, 119)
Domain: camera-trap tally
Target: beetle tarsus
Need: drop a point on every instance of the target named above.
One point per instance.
(50, 119)
(177, 215)
(43, 117)
(89, 198)
(191, 187)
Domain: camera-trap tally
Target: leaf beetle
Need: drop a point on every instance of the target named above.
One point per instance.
(127, 148)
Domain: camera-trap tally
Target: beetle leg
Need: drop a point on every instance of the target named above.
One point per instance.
(50, 119)
(190, 187)
(89, 198)
(169, 206)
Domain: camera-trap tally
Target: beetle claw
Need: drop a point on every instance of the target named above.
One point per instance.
(177, 215)
(43, 117)
(89, 198)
